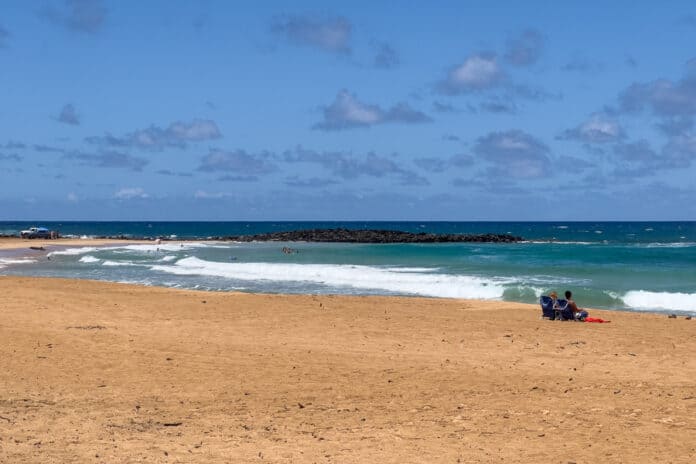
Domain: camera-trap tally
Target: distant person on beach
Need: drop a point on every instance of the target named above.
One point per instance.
(578, 313)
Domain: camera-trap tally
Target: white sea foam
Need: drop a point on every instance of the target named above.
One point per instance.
(5, 261)
(182, 246)
(360, 277)
(168, 258)
(652, 301)
(111, 263)
(556, 242)
(73, 251)
(89, 259)
(671, 245)
(413, 269)
(161, 247)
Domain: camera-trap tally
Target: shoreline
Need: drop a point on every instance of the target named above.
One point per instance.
(17, 243)
(108, 372)
(19, 248)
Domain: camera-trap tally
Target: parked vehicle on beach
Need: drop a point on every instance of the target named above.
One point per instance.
(37, 232)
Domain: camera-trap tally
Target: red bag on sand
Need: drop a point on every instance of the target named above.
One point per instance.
(595, 319)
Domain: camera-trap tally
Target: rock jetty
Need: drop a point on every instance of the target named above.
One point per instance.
(369, 236)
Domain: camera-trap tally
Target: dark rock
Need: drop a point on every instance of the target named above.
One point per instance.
(370, 236)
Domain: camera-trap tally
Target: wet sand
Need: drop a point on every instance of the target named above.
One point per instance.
(94, 372)
(16, 243)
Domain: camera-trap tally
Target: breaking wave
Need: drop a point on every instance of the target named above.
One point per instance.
(5, 261)
(353, 276)
(660, 301)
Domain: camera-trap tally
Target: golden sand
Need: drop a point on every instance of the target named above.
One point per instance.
(103, 372)
(16, 243)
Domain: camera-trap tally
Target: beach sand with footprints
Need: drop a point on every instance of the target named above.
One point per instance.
(105, 372)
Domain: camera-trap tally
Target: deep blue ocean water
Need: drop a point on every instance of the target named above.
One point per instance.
(643, 266)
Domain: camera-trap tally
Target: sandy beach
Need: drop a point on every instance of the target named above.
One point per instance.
(104, 372)
(16, 243)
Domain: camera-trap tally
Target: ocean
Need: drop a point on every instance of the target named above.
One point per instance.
(636, 266)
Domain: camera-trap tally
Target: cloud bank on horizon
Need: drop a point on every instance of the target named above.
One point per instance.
(220, 111)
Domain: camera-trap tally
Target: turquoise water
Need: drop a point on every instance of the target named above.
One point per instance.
(634, 266)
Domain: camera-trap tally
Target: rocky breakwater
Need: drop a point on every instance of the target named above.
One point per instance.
(370, 236)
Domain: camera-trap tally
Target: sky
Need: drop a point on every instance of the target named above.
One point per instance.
(361, 110)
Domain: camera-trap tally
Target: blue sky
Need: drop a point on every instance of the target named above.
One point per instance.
(217, 110)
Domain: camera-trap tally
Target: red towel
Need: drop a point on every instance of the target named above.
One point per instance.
(595, 319)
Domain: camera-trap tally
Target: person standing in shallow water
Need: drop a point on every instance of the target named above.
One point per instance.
(578, 313)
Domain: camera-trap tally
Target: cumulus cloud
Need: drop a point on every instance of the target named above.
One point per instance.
(431, 164)
(48, 149)
(385, 56)
(347, 112)
(155, 138)
(204, 195)
(525, 49)
(228, 178)
(635, 159)
(477, 72)
(680, 151)
(328, 34)
(68, 115)
(638, 158)
(497, 105)
(87, 16)
(662, 97)
(566, 163)
(676, 125)
(108, 159)
(168, 172)
(238, 161)
(348, 166)
(130, 193)
(312, 182)
(434, 164)
(599, 128)
(514, 154)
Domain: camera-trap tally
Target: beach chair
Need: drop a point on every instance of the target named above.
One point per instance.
(547, 311)
(562, 311)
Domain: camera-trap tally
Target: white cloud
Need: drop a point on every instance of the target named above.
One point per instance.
(514, 154)
(478, 72)
(348, 112)
(202, 194)
(130, 193)
(599, 128)
(176, 135)
(328, 34)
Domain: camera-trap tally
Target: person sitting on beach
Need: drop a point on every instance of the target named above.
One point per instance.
(554, 299)
(578, 313)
